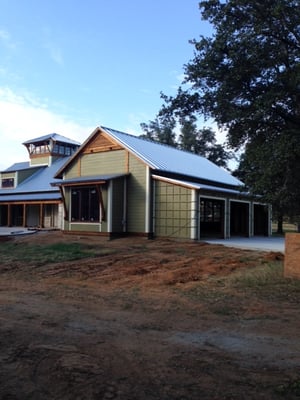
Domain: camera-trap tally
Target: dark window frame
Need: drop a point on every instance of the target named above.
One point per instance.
(85, 204)
(8, 183)
(210, 210)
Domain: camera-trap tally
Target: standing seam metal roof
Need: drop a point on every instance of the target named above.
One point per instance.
(40, 181)
(55, 137)
(169, 159)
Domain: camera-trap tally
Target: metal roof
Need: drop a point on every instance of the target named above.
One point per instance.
(39, 181)
(54, 136)
(199, 186)
(87, 179)
(30, 197)
(18, 166)
(166, 158)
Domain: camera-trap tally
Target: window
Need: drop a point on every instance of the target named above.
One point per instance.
(8, 183)
(85, 204)
(63, 149)
(211, 211)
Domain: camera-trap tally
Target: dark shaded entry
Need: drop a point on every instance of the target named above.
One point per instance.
(261, 218)
(211, 218)
(239, 219)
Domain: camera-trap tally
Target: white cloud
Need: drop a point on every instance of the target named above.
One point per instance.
(24, 117)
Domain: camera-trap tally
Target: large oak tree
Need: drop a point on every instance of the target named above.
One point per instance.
(246, 76)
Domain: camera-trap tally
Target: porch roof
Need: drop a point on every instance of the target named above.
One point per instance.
(30, 197)
(87, 179)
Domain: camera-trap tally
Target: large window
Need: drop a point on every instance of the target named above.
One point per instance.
(85, 204)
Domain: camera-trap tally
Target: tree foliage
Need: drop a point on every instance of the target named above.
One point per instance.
(160, 130)
(202, 142)
(199, 141)
(246, 76)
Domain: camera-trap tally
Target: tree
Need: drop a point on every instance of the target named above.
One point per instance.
(270, 172)
(160, 130)
(247, 78)
(202, 142)
(199, 141)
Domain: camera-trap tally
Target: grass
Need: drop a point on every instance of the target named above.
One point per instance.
(44, 254)
(266, 281)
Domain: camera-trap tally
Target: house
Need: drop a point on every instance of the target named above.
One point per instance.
(27, 197)
(117, 184)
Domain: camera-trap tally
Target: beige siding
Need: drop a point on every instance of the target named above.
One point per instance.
(172, 210)
(8, 175)
(40, 161)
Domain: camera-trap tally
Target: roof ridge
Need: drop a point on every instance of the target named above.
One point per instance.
(169, 146)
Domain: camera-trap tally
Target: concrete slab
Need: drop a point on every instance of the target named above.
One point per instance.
(253, 243)
(16, 230)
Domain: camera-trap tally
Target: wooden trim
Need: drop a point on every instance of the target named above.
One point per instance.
(79, 166)
(103, 214)
(82, 183)
(33, 202)
(127, 162)
(64, 203)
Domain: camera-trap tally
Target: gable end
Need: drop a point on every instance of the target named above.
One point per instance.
(101, 143)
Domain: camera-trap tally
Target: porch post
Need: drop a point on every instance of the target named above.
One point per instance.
(41, 217)
(8, 214)
(24, 215)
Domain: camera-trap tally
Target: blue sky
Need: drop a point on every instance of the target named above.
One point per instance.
(69, 66)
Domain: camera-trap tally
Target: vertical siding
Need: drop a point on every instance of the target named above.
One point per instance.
(172, 210)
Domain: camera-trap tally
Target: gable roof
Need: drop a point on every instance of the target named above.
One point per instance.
(55, 137)
(39, 181)
(164, 158)
(18, 166)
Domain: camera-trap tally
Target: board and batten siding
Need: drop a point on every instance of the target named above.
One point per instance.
(172, 210)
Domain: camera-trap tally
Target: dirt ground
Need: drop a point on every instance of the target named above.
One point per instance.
(154, 319)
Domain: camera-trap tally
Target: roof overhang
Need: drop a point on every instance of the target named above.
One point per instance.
(88, 180)
(24, 197)
(199, 186)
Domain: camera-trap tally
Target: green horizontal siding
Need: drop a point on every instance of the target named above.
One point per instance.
(136, 190)
(110, 162)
